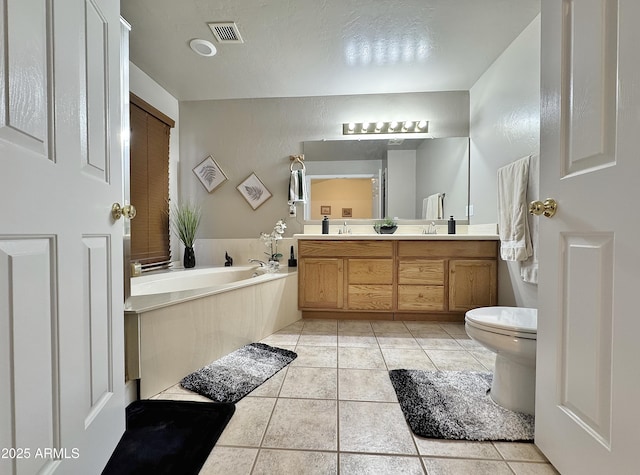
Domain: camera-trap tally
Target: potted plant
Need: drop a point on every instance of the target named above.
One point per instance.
(184, 220)
(386, 226)
(271, 242)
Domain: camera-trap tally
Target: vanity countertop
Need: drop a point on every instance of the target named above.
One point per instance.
(398, 237)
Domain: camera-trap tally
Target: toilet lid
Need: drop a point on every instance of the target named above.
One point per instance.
(519, 319)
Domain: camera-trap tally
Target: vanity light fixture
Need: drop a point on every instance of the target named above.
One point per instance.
(392, 127)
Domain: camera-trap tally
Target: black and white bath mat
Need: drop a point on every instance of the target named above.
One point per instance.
(235, 375)
(456, 405)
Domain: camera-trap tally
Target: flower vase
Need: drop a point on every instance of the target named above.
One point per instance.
(189, 258)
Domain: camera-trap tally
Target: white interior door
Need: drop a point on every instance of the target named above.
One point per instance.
(61, 330)
(588, 384)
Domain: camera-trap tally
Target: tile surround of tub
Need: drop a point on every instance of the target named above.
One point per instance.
(210, 252)
(333, 410)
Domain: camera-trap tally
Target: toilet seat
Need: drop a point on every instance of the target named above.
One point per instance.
(518, 322)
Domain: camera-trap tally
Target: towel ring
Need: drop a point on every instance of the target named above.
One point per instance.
(297, 159)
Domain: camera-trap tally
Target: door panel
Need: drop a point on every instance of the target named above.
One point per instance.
(61, 289)
(587, 386)
(24, 98)
(29, 419)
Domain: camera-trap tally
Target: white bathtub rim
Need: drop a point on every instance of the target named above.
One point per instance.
(146, 303)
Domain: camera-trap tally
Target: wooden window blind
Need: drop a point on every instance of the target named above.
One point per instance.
(149, 181)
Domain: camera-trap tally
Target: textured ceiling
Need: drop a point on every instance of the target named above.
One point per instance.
(323, 47)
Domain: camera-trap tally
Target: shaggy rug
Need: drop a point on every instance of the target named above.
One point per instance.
(456, 405)
(168, 437)
(235, 375)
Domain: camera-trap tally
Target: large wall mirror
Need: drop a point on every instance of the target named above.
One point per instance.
(398, 178)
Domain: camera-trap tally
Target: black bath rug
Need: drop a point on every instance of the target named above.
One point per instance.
(235, 375)
(456, 405)
(168, 437)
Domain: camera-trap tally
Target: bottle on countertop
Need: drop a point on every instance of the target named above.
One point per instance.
(452, 225)
(325, 225)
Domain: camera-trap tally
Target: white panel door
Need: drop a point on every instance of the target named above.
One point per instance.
(61, 315)
(588, 384)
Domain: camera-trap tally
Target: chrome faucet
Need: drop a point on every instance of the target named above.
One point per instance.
(262, 263)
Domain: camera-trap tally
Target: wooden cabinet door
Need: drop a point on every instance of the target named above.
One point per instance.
(321, 283)
(472, 284)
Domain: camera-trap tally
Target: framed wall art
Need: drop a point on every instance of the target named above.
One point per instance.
(254, 191)
(325, 210)
(210, 174)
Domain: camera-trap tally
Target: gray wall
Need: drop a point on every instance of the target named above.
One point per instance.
(258, 135)
(442, 166)
(505, 126)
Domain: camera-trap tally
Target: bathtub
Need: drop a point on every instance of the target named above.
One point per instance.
(180, 320)
(179, 280)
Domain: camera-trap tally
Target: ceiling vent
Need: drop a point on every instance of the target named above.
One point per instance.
(226, 32)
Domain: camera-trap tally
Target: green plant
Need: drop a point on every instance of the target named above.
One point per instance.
(385, 223)
(271, 240)
(184, 220)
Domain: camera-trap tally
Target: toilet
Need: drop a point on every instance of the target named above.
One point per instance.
(510, 332)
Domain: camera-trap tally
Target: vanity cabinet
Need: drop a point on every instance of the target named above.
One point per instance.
(401, 279)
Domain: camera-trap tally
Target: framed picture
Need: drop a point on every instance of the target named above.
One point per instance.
(347, 212)
(210, 174)
(325, 210)
(254, 191)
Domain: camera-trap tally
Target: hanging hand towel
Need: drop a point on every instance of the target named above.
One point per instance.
(297, 186)
(515, 242)
(432, 207)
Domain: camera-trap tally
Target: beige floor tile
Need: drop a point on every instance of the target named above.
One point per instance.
(181, 397)
(272, 462)
(447, 360)
(486, 358)
(229, 460)
(430, 334)
(357, 340)
(317, 340)
(401, 358)
(454, 328)
(360, 358)
(177, 389)
(520, 451)
(310, 383)
(271, 387)
(288, 339)
(374, 427)
(398, 342)
(456, 448)
(309, 424)
(436, 343)
(248, 423)
(389, 327)
(365, 385)
(424, 326)
(466, 467)
(532, 468)
(358, 326)
(316, 356)
(295, 327)
(323, 327)
(379, 464)
(469, 344)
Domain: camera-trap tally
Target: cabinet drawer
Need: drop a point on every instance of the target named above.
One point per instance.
(448, 249)
(345, 248)
(370, 297)
(370, 271)
(421, 297)
(421, 271)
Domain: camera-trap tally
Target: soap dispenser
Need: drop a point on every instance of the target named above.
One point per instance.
(325, 225)
(452, 225)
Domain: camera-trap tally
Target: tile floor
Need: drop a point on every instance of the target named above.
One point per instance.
(334, 410)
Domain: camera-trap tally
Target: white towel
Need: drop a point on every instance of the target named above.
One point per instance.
(529, 268)
(297, 186)
(515, 242)
(432, 207)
